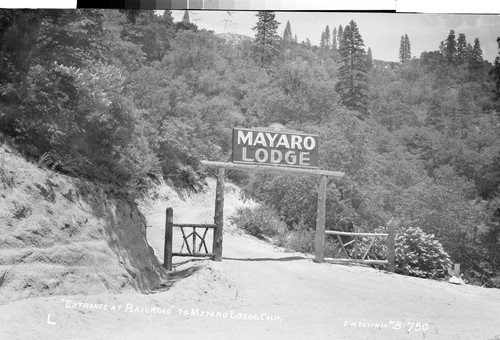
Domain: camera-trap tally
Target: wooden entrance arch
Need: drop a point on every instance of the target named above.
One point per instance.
(320, 219)
(272, 149)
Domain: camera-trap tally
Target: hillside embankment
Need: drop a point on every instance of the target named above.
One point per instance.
(61, 235)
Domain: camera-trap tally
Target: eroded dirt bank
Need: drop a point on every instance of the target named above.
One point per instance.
(60, 235)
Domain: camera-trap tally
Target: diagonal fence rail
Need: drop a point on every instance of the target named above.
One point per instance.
(194, 242)
(354, 258)
(194, 236)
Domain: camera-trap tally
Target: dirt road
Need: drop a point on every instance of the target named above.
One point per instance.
(261, 292)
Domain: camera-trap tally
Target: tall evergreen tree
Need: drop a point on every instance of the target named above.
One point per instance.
(322, 41)
(287, 34)
(468, 51)
(435, 114)
(476, 61)
(327, 37)
(184, 24)
(353, 80)
(408, 47)
(461, 49)
(266, 42)
(334, 38)
(404, 48)
(450, 48)
(402, 51)
(495, 74)
(185, 17)
(340, 33)
(369, 59)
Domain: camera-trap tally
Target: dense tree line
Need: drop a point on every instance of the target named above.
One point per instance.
(124, 97)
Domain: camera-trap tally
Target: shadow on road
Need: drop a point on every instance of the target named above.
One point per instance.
(282, 259)
(177, 264)
(179, 274)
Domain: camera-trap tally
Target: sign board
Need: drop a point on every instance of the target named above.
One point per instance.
(275, 147)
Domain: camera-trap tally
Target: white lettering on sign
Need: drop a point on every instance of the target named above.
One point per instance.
(283, 141)
(242, 139)
(276, 156)
(304, 157)
(290, 157)
(261, 155)
(277, 148)
(296, 140)
(268, 140)
(245, 158)
(309, 143)
(271, 139)
(260, 139)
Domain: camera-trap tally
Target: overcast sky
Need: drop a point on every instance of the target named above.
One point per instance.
(380, 31)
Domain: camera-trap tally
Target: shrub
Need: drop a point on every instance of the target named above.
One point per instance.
(303, 240)
(76, 121)
(259, 221)
(300, 240)
(417, 253)
(262, 221)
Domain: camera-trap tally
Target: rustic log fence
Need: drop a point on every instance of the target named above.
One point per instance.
(353, 258)
(194, 242)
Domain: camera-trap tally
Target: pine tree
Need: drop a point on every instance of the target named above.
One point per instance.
(461, 49)
(404, 48)
(450, 48)
(495, 74)
(322, 41)
(327, 37)
(402, 52)
(295, 39)
(340, 33)
(408, 47)
(468, 51)
(476, 61)
(266, 42)
(184, 24)
(287, 34)
(369, 59)
(435, 114)
(353, 80)
(334, 39)
(185, 18)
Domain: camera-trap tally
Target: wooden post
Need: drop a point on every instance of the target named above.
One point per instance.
(219, 216)
(320, 222)
(355, 250)
(167, 250)
(391, 252)
(194, 240)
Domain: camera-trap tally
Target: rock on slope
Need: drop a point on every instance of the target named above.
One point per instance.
(60, 235)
